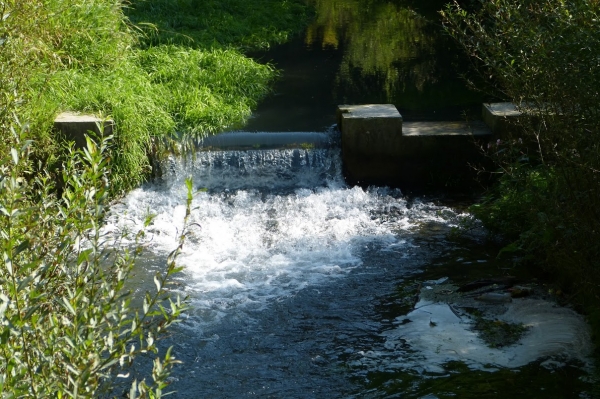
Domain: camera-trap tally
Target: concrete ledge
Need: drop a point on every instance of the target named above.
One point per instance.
(378, 148)
(264, 140)
(452, 128)
(73, 127)
(500, 117)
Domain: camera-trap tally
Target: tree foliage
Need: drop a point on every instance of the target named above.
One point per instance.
(543, 57)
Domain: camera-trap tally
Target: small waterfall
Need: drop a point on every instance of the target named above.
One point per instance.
(287, 268)
(270, 223)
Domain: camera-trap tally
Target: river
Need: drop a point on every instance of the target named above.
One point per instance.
(301, 286)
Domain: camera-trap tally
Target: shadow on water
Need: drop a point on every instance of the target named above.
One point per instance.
(373, 51)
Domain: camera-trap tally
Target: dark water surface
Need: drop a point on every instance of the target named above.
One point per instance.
(301, 287)
(359, 52)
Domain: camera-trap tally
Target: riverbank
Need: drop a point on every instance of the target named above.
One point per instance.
(68, 326)
(136, 65)
(546, 199)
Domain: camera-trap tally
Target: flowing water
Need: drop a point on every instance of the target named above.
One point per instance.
(303, 287)
(295, 284)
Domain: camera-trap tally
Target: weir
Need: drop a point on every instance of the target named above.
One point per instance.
(378, 147)
(300, 283)
(265, 140)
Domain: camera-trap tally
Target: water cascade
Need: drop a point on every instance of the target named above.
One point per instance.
(293, 278)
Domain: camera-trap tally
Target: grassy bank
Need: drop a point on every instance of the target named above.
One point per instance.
(181, 69)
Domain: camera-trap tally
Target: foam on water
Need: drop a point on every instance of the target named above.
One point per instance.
(283, 265)
(265, 224)
(553, 332)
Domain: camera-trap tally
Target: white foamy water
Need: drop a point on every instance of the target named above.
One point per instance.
(285, 265)
(554, 332)
(265, 224)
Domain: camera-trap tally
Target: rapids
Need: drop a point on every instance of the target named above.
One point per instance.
(293, 278)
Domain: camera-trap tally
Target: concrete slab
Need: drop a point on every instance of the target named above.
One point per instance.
(452, 128)
(73, 127)
(369, 111)
(500, 117)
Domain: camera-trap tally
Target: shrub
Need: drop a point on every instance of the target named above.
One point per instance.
(543, 56)
(67, 326)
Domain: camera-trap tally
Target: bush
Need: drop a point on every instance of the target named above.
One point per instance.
(67, 326)
(543, 56)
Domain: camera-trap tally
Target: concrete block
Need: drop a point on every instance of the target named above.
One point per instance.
(371, 137)
(500, 117)
(74, 127)
(372, 129)
(379, 148)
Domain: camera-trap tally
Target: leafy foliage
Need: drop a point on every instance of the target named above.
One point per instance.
(86, 56)
(67, 325)
(543, 57)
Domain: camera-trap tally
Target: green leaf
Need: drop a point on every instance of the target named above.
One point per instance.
(157, 283)
(84, 256)
(69, 306)
(21, 247)
(15, 155)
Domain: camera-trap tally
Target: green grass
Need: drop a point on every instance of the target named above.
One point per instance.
(208, 90)
(180, 72)
(241, 24)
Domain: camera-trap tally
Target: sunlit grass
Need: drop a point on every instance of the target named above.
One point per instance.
(180, 72)
(209, 90)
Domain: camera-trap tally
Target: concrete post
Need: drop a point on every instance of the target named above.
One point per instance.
(500, 117)
(74, 127)
(371, 141)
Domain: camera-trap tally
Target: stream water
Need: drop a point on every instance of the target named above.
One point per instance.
(301, 286)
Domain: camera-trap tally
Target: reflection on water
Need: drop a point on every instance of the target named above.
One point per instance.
(391, 42)
(374, 51)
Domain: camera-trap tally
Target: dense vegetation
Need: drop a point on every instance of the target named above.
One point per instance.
(543, 56)
(67, 323)
(155, 79)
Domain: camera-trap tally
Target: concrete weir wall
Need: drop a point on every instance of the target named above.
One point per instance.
(378, 147)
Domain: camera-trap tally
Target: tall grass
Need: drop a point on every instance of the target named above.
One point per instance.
(86, 56)
(210, 90)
